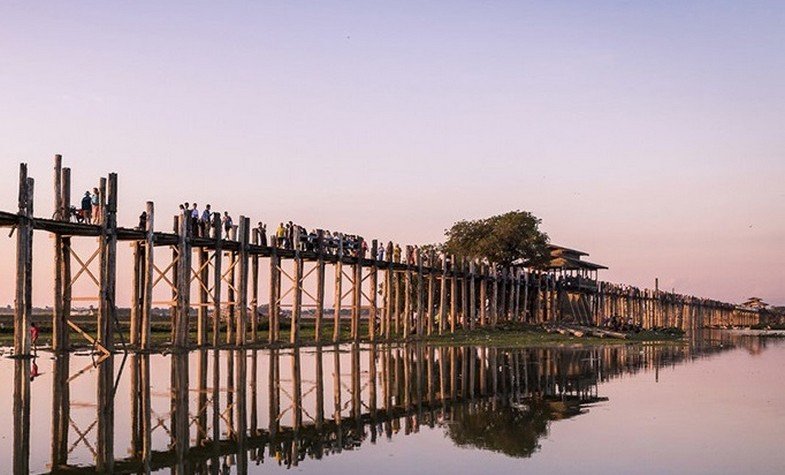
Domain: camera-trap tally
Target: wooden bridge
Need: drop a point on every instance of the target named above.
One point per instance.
(422, 294)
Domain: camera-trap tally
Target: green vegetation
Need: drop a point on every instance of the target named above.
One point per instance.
(502, 239)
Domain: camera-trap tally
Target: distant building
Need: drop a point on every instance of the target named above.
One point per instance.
(755, 302)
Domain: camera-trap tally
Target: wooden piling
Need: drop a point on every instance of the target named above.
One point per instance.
(149, 264)
(58, 323)
(275, 292)
(242, 255)
(107, 313)
(297, 301)
(338, 293)
(255, 289)
(320, 267)
(183, 282)
(217, 278)
(23, 308)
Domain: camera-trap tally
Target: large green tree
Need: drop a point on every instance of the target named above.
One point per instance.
(502, 239)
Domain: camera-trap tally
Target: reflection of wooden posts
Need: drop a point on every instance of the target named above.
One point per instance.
(61, 410)
(217, 279)
(297, 407)
(337, 396)
(443, 295)
(494, 297)
(241, 373)
(431, 293)
(23, 306)
(274, 387)
(355, 385)
(372, 383)
(297, 301)
(372, 283)
(179, 403)
(104, 459)
(319, 388)
(274, 308)
(21, 416)
(183, 282)
(145, 412)
(216, 400)
(319, 312)
(201, 399)
(254, 424)
(357, 288)
(338, 292)
(255, 290)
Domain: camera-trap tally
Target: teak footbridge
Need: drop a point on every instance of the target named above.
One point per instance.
(423, 294)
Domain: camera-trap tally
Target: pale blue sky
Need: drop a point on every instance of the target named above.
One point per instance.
(647, 133)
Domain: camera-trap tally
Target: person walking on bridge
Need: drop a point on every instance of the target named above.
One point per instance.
(87, 204)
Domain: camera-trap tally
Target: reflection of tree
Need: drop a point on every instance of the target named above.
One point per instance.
(512, 430)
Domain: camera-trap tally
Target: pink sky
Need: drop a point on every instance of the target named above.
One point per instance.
(647, 135)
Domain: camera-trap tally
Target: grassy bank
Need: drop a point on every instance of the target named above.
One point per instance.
(507, 335)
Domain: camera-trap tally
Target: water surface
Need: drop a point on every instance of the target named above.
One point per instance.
(713, 406)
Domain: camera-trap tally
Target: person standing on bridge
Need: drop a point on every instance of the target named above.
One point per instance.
(95, 202)
(204, 222)
(195, 221)
(87, 204)
(228, 224)
(397, 253)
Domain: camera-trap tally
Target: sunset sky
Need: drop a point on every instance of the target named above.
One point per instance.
(649, 134)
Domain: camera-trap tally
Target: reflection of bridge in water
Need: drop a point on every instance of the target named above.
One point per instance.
(207, 410)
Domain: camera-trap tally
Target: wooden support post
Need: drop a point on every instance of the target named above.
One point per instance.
(255, 289)
(465, 294)
(58, 323)
(357, 295)
(231, 291)
(136, 293)
(275, 291)
(319, 313)
(407, 296)
(429, 314)
(420, 293)
(472, 295)
(494, 300)
(453, 293)
(443, 295)
(62, 339)
(108, 244)
(241, 402)
(242, 315)
(372, 283)
(203, 309)
(149, 263)
(217, 278)
(338, 293)
(483, 294)
(23, 307)
(297, 277)
(183, 282)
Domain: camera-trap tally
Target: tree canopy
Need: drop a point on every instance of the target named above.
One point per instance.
(502, 239)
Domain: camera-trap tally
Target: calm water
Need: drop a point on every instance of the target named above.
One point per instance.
(715, 406)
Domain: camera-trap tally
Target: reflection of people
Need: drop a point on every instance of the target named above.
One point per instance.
(34, 370)
(34, 332)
